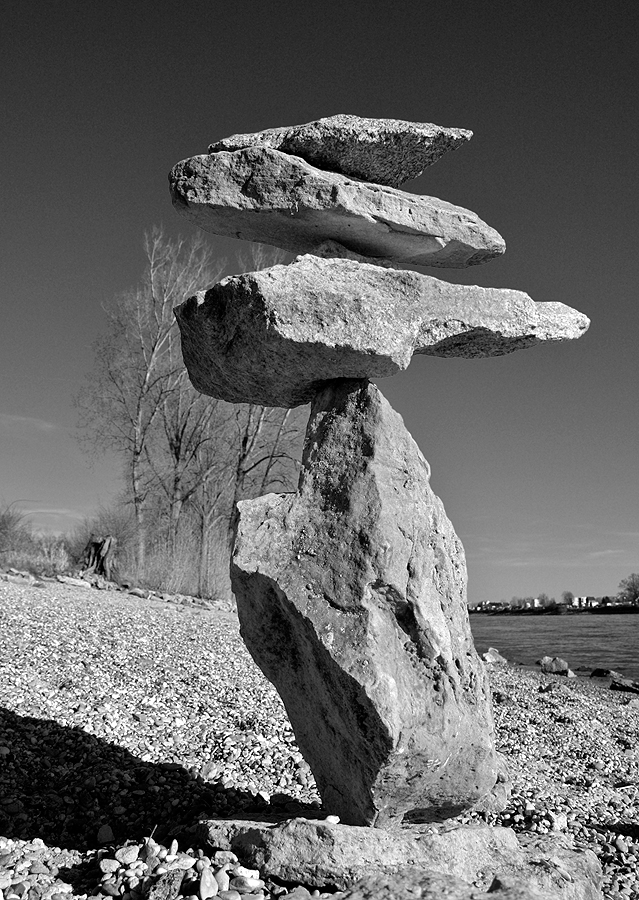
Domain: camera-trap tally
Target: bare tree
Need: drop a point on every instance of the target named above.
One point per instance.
(629, 589)
(190, 424)
(137, 367)
(210, 507)
(267, 452)
(256, 449)
(187, 457)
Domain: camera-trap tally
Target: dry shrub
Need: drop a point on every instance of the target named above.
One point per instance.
(21, 548)
(45, 555)
(15, 531)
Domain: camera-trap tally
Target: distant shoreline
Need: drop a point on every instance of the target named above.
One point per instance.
(618, 609)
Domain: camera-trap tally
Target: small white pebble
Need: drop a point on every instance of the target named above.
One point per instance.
(223, 879)
(246, 885)
(209, 887)
(243, 872)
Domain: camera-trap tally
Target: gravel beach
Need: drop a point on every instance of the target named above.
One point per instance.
(123, 718)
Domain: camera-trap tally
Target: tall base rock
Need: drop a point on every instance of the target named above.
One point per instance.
(351, 596)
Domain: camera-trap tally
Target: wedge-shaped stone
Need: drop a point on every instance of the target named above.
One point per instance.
(351, 597)
(270, 197)
(385, 151)
(274, 336)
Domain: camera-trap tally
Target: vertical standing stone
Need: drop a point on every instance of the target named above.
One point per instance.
(352, 600)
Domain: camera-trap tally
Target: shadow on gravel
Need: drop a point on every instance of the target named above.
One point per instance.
(61, 784)
(627, 829)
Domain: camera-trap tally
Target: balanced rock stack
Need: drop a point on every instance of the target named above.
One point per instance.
(351, 593)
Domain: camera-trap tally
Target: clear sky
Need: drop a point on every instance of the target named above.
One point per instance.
(535, 455)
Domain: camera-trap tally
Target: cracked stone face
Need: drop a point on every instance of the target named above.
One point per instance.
(351, 596)
(258, 194)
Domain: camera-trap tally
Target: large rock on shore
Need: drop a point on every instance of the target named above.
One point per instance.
(351, 597)
(384, 151)
(262, 195)
(374, 863)
(274, 336)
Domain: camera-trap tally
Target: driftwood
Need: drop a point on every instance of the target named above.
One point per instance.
(99, 555)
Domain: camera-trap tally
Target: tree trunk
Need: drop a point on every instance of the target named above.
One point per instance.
(140, 520)
(175, 510)
(203, 570)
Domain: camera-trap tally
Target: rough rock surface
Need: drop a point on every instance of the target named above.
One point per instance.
(384, 151)
(493, 657)
(351, 596)
(620, 683)
(328, 855)
(416, 883)
(274, 336)
(554, 665)
(270, 197)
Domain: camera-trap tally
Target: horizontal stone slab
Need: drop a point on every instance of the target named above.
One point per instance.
(325, 855)
(273, 337)
(270, 197)
(385, 151)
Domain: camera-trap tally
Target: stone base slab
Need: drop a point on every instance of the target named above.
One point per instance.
(324, 855)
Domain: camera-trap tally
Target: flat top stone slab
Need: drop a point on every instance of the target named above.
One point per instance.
(384, 151)
(274, 336)
(262, 195)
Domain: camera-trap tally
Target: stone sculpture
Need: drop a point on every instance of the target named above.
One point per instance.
(351, 593)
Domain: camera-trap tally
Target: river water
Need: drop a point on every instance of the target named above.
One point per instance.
(595, 641)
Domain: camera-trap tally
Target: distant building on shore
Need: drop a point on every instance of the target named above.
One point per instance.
(489, 606)
(586, 602)
(543, 602)
(590, 602)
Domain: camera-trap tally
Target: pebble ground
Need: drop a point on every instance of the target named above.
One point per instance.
(124, 720)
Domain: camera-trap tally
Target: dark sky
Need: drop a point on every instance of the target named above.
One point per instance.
(535, 455)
